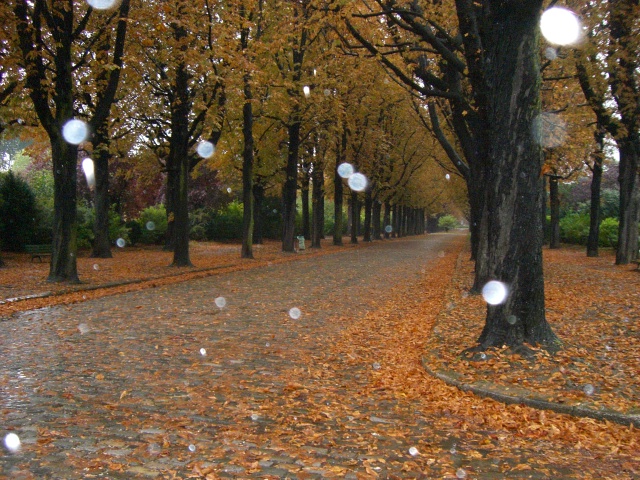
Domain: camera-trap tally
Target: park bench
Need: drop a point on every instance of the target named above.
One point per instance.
(38, 251)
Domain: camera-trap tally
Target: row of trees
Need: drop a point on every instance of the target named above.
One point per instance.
(289, 90)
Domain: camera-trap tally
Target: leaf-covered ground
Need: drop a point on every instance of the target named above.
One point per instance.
(119, 386)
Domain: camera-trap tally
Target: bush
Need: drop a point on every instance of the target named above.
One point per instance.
(608, 233)
(574, 228)
(226, 223)
(135, 231)
(153, 223)
(86, 222)
(18, 212)
(447, 222)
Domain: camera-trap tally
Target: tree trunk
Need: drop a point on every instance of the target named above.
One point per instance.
(355, 217)
(387, 219)
(101, 243)
(304, 194)
(368, 207)
(247, 172)
(627, 250)
(394, 221)
(258, 202)
(318, 204)
(290, 188)
(171, 193)
(594, 210)
(337, 206)
(377, 210)
(514, 186)
(554, 202)
(179, 158)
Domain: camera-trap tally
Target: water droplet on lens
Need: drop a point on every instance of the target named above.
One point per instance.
(121, 242)
(413, 451)
(75, 131)
(551, 53)
(295, 313)
(84, 328)
(192, 448)
(229, 190)
(447, 176)
(588, 389)
(203, 351)
(560, 26)
(89, 172)
(255, 417)
(102, 4)
(96, 266)
(12, 442)
(388, 229)
(357, 182)
(512, 319)
(150, 225)
(206, 149)
(327, 92)
(306, 90)
(460, 473)
(345, 170)
(220, 302)
(376, 366)
(494, 292)
(267, 344)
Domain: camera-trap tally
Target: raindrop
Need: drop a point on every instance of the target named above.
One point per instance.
(220, 302)
(83, 328)
(551, 53)
(275, 210)
(150, 225)
(121, 242)
(376, 366)
(255, 417)
(483, 356)
(102, 4)
(512, 319)
(460, 473)
(588, 389)
(267, 344)
(192, 448)
(388, 229)
(453, 450)
(327, 92)
(89, 172)
(205, 149)
(306, 90)
(96, 266)
(357, 182)
(494, 292)
(345, 170)
(549, 130)
(608, 347)
(560, 26)
(413, 451)
(229, 190)
(447, 176)
(203, 351)
(295, 313)
(75, 131)
(12, 442)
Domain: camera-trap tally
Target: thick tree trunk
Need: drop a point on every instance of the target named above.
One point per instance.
(318, 204)
(627, 250)
(387, 219)
(172, 187)
(306, 215)
(355, 217)
(394, 222)
(514, 186)
(554, 202)
(101, 243)
(258, 202)
(338, 189)
(63, 267)
(594, 210)
(290, 188)
(247, 172)
(377, 210)
(368, 206)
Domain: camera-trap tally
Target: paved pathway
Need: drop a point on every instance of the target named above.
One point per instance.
(164, 382)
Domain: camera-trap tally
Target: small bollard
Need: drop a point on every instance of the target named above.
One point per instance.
(300, 242)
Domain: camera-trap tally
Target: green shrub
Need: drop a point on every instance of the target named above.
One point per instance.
(447, 222)
(86, 222)
(18, 212)
(608, 232)
(574, 228)
(226, 223)
(135, 231)
(153, 223)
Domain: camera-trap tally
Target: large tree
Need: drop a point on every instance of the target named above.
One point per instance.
(487, 69)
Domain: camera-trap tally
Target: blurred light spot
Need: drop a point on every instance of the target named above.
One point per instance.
(345, 170)
(220, 302)
(275, 210)
(89, 172)
(229, 190)
(512, 319)
(203, 351)
(150, 225)
(192, 448)
(75, 131)
(413, 451)
(295, 313)
(376, 366)
(12, 442)
(549, 130)
(447, 176)
(357, 182)
(306, 90)
(84, 328)
(327, 92)
(460, 473)
(255, 417)
(588, 389)
(560, 26)
(388, 229)
(121, 242)
(103, 4)
(494, 292)
(96, 266)
(551, 53)
(206, 149)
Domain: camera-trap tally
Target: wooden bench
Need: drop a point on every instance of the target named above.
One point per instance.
(38, 251)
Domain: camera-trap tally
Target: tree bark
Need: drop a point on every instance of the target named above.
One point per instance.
(514, 186)
(304, 194)
(377, 210)
(317, 179)
(554, 201)
(355, 217)
(290, 187)
(337, 206)
(387, 219)
(627, 250)
(368, 207)
(258, 202)
(247, 171)
(101, 247)
(594, 210)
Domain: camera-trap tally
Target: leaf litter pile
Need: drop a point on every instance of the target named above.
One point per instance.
(356, 401)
